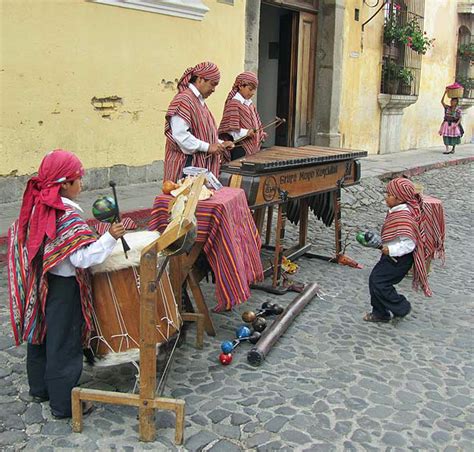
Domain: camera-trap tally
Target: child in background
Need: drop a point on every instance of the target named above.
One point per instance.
(240, 118)
(403, 246)
(49, 248)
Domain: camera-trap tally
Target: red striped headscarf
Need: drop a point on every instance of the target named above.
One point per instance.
(205, 70)
(42, 200)
(405, 191)
(245, 78)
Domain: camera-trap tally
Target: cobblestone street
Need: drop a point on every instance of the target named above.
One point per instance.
(332, 382)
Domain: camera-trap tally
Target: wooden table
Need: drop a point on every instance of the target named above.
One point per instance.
(227, 235)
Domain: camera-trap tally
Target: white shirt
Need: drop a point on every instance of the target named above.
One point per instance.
(86, 256)
(400, 245)
(242, 132)
(187, 142)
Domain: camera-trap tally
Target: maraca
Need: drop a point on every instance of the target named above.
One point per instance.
(225, 358)
(106, 209)
(243, 334)
(228, 346)
(371, 239)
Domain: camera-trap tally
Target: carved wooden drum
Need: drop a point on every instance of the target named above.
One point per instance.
(116, 294)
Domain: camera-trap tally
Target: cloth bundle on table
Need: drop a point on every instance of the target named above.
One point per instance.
(231, 242)
(434, 227)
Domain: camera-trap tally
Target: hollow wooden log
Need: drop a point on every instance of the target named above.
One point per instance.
(258, 353)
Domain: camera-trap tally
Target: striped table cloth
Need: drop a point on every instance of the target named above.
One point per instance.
(435, 227)
(231, 242)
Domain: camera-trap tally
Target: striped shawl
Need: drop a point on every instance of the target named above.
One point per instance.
(240, 116)
(202, 125)
(403, 223)
(28, 283)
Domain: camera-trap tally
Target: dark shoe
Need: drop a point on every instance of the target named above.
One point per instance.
(87, 409)
(369, 317)
(402, 316)
(39, 399)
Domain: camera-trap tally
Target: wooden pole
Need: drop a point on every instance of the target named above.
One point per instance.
(148, 298)
(258, 353)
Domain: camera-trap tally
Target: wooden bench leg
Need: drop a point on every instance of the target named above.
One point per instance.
(199, 319)
(76, 406)
(201, 304)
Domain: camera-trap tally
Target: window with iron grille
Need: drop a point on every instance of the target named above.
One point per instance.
(404, 44)
(465, 61)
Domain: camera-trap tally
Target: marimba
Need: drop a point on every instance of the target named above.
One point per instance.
(310, 176)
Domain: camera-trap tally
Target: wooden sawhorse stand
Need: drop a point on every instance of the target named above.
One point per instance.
(150, 295)
(181, 271)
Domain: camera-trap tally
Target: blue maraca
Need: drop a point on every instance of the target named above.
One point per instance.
(243, 331)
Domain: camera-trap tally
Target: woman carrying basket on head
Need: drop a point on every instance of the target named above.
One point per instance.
(451, 129)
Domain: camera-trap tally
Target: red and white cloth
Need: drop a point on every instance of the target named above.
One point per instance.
(403, 223)
(241, 114)
(42, 202)
(231, 242)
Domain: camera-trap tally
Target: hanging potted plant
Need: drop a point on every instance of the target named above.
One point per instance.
(468, 85)
(405, 76)
(466, 51)
(416, 39)
(393, 34)
(391, 80)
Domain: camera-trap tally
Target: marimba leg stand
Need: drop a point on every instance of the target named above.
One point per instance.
(182, 272)
(146, 401)
(336, 197)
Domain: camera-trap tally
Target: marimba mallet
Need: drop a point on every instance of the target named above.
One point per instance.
(243, 334)
(258, 353)
(267, 309)
(276, 122)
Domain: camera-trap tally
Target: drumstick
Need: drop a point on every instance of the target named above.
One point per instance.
(277, 122)
(117, 218)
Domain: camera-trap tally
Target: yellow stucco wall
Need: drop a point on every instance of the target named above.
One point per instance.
(57, 55)
(360, 111)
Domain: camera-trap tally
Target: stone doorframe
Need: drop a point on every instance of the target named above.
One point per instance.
(328, 86)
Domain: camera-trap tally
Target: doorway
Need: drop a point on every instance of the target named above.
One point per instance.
(287, 52)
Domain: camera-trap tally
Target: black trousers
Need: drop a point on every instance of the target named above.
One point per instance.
(55, 366)
(383, 296)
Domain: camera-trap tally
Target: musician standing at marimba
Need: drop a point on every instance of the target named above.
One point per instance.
(49, 248)
(190, 128)
(240, 118)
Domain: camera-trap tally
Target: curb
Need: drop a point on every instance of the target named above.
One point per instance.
(417, 170)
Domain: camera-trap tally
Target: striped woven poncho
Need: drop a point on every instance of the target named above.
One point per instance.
(201, 124)
(238, 115)
(28, 284)
(410, 224)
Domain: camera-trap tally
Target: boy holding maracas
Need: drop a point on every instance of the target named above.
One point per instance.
(402, 247)
(49, 249)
